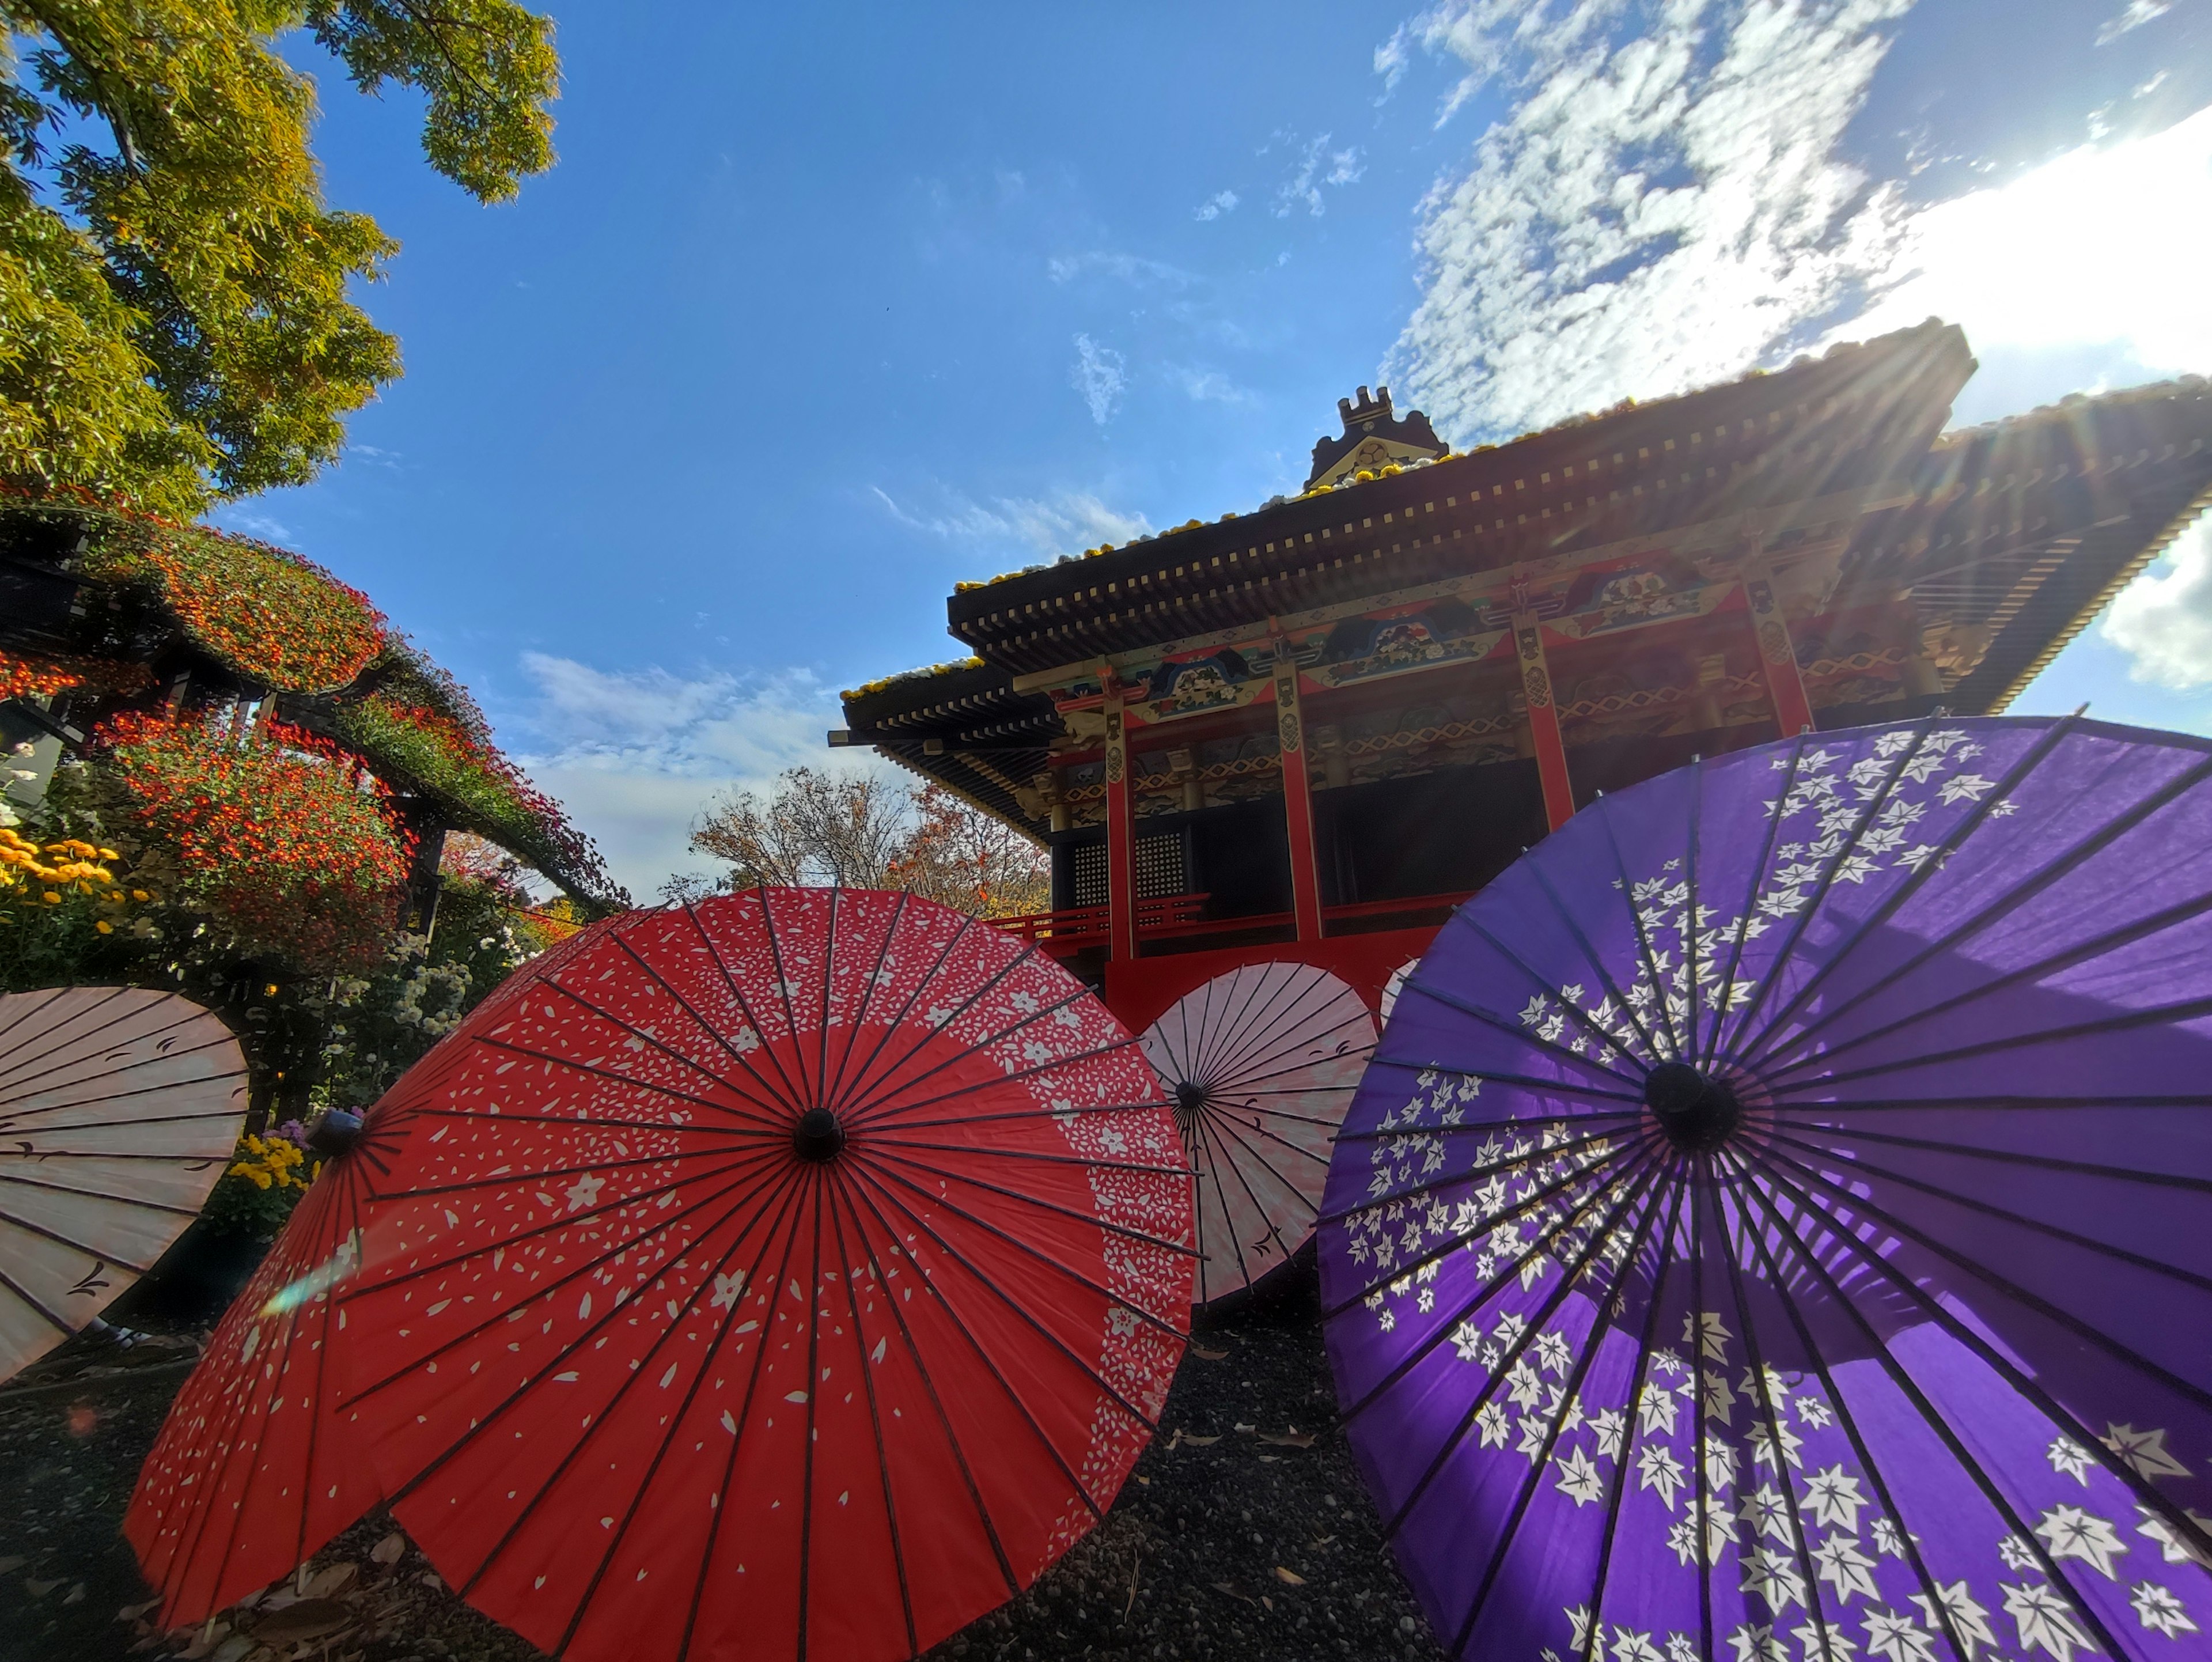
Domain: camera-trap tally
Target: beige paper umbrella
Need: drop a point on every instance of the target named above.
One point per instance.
(1260, 1064)
(118, 1109)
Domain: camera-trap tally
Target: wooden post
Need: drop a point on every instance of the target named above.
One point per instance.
(1544, 722)
(1298, 798)
(1120, 839)
(1793, 710)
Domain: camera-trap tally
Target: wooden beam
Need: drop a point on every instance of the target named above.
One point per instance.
(1121, 838)
(1544, 721)
(1297, 799)
(1777, 654)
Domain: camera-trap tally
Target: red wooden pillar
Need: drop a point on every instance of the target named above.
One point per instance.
(1120, 840)
(1298, 800)
(1544, 722)
(1793, 710)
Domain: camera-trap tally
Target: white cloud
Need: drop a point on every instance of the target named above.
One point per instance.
(1220, 202)
(2134, 15)
(248, 523)
(2135, 218)
(1207, 386)
(2163, 620)
(1133, 269)
(1317, 165)
(636, 755)
(1100, 374)
(1070, 521)
(1661, 204)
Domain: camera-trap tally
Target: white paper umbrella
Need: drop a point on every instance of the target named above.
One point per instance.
(1397, 985)
(1260, 1064)
(119, 1109)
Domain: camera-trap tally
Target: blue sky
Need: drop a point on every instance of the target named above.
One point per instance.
(820, 312)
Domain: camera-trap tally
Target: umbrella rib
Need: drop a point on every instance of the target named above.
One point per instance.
(594, 1070)
(982, 1356)
(98, 1194)
(769, 1098)
(8, 1108)
(1520, 1033)
(547, 1289)
(1605, 1041)
(744, 1009)
(884, 1141)
(1835, 1398)
(814, 1183)
(60, 1324)
(1629, 1427)
(1629, 1180)
(2050, 1406)
(1802, 918)
(833, 1089)
(1758, 870)
(1282, 1035)
(1700, 1479)
(805, 1095)
(2063, 867)
(1464, 1127)
(545, 1174)
(11, 1220)
(1027, 1248)
(1261, 991)
(929, 1386)
(666, 1049)
(1771, 1070)
(1999, 1103)
(822, 1048)
(1691, 930)
(872, 1109)
(1935, 1422)
(1751, 1041)
(743, 1418)
(1029, 1318)
(1512, 1163)
(77, 1044)
(1193, 1150)
(322, 1351)
(883, 1116)
(721, 1334)
(876, 1418)
(1533, 1482)
(2008, 1157)
(1865, 1204)
(897, 1022)
(426, 1111)
(1483, 1076)
(2188, 1010)
(1215, 1157)
(1589, 952)
(871, 1093)
(18, 1030)
(1151, 1106)
(1235, 1083)
(1777, 1433)
(1222, 1131)
(200, 1161)
(1650, 1034)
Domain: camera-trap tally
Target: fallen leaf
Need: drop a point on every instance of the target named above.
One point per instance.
(75, 1595)
(236, 1648)
(1271, 1459)
(8, 1565)
(132, 1612)
(387, 1550)
(1201, 1442)
(1243, 1427)
(206, 1639)
(332, 1580)
(1289, 1577)
(1146, 1482)
(1321, 1541)
(430, 1580)
(310, 1618)
(1288, 1438)
(39, 1589)
(1268, 1602)
(1224, 1586)
(1210, 1355)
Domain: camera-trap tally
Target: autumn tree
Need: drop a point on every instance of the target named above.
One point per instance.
(174, 324)
(864, 832)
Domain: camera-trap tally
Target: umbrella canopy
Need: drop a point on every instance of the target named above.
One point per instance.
(119, 1109)
(257, 1466)
(1261, 1064)
(1775, 1222)
(796, 1273)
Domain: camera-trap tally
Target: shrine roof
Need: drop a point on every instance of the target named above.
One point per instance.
(1853, 417)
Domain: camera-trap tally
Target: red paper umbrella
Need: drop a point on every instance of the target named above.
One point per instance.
(1261, 1062)
(796, 1275)
(256, 1466)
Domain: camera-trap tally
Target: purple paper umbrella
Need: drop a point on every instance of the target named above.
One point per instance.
(1775, 1222)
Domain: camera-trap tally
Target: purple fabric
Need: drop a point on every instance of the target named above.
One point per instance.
(1915, 1364)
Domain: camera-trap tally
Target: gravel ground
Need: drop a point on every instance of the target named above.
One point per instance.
(1243, 1535)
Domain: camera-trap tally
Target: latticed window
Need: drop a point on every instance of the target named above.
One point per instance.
(1160, 869)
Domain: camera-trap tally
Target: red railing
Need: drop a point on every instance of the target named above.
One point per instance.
(1175, 916)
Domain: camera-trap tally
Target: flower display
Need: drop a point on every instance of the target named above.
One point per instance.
(269, 614)
(267, 1175)
(274, 835)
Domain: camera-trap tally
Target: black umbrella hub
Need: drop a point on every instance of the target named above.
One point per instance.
(819, 1136)
(1697, 1111)
(1190, 1100)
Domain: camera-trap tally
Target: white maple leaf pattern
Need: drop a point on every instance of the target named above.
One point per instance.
(2143, 1450)
(1843, 1567)
(2046, 1622)
(2160, 1609)
(1959, 1614)
(1832, 1496)
(2073, 1532)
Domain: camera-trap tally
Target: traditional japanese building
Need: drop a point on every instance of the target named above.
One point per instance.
(1309, 732)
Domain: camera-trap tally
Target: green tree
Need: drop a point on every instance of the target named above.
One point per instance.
(174, 321)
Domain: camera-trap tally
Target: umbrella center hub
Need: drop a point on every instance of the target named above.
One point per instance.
(335, 1132)
(819, 1137)
(1698, 1112)
(1189, 1099)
